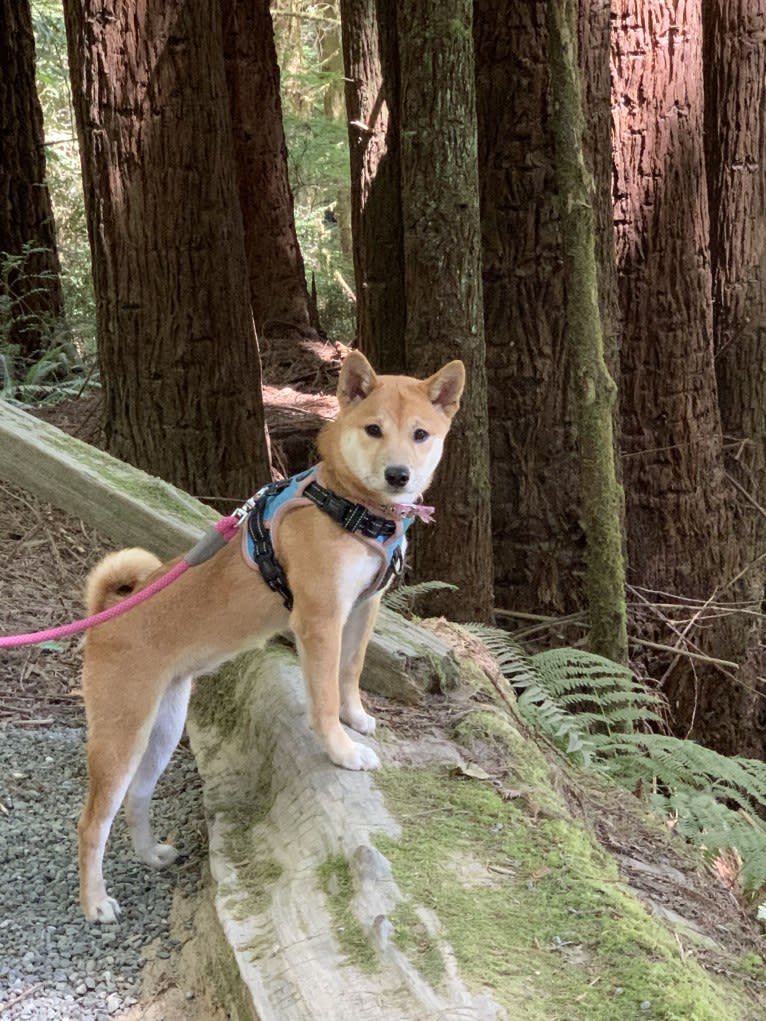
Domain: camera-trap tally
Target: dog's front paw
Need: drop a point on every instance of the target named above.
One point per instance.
(358, 756)
(105, 911)
(158, 855)
(358, 719)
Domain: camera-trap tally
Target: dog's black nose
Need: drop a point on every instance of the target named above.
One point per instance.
(397, 476)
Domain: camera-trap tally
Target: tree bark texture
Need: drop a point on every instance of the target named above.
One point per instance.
(372, 104)
(735, 93)
(29, 266)
(538, 535)
(593, 50)
(178, 352)
(600, 493)
(678, 519)
(278, 291)
(442, 279)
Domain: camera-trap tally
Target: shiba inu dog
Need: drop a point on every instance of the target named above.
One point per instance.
(332, 556)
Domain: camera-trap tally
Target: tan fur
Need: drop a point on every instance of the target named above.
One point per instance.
(138, 668)
(117, 572)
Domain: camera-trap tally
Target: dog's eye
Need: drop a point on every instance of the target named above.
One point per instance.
(420, 435)
(373, 430)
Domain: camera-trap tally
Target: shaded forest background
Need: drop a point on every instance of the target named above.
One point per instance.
(568, 196)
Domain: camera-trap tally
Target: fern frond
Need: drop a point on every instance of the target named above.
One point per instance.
(404, 598)
(716, 827)
(534, 702)
(514, 662)
(600, 715)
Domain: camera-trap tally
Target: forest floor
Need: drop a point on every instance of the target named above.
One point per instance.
(44, 557)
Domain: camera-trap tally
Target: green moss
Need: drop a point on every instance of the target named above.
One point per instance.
(601, 497)
(413, 937)
(152, 491)
(255, 873)
(536, 912)
(752, 966)
(337, 882)
(492, 727)
(256, 877)
(445, 672)
(220, 969)
(214, 702)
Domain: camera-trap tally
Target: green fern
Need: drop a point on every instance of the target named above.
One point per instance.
(712, 825)
(603, 718)
(403, 599)
(537, 703)
(58, 374)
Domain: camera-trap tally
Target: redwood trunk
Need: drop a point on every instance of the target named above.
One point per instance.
(177, 347)
(536, 524)
(29, 264)
(372, 105)
(442, 279)
(677, 512)
(278, 291)
(735, 93)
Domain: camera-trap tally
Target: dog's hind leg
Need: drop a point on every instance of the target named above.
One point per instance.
(165, 735)
(114, 752)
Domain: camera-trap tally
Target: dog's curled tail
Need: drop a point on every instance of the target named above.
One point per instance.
(116, 577)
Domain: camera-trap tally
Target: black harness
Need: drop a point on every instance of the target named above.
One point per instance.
(352, 517)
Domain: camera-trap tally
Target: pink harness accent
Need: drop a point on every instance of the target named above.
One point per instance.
(226, 528)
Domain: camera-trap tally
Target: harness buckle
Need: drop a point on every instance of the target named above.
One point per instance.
(354, 517)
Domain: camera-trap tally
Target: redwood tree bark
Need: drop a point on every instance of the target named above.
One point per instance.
(537, 532)
(442, 280)
(177, 347)
(30, 278)
(278, 291)
(735, 94)
(372, 104)
(678, 518)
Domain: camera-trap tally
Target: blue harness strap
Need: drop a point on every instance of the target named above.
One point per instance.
(353, 517)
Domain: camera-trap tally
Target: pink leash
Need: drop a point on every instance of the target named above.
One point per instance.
(210, 543)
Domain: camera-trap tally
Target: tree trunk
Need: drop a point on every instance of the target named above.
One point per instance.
(372, 105)
(600, 493)
(177, 347)
(30, 284)
(442, 278)
(678, 517)
(288, 29)
(537, 530)
(330, 50)
(735, 131)
(278, 291)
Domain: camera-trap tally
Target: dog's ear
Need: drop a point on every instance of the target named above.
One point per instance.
(445, 387)
(357, 379)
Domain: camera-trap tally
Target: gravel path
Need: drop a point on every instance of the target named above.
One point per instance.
(53, 965)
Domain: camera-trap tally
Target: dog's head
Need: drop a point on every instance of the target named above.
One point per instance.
(390, 430)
